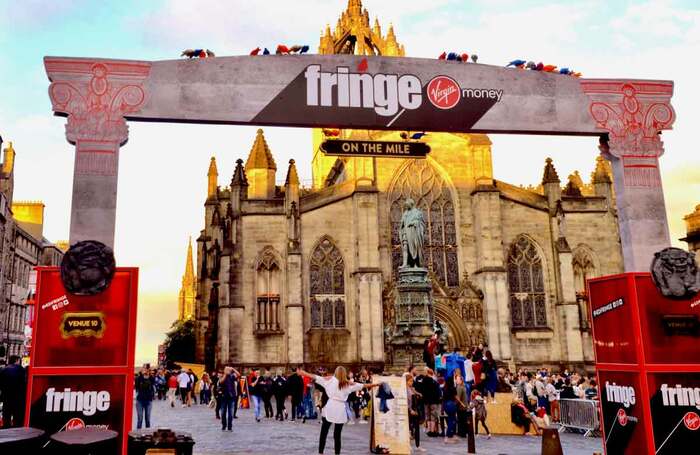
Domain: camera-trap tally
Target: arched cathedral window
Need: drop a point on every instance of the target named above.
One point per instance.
(526, 285)
(420, 181)
(268, 293)
(327, 284)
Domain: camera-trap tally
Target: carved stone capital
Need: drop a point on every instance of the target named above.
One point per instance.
(633, 113)
(96, 94)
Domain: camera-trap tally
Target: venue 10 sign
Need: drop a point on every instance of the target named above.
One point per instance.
(82, 360)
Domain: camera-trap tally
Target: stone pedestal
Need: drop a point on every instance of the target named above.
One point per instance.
(414, 316)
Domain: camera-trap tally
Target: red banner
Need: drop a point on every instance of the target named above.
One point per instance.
(82, 360)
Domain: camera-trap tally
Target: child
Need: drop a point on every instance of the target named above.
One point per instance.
(479, 406)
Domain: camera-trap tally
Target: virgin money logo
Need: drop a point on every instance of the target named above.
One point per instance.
(75, 424)
(444, 92)
(622, 417)
(691, 421)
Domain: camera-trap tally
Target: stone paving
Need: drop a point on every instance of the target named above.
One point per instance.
(271, 436)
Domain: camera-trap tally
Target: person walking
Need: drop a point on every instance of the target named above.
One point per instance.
(228, 398)
(12, 393)
(145, 392)
(256, 391)
(172, 388)
(183, 382)
(266, 391)
(337, 388)
(279, 390)
(478, 404)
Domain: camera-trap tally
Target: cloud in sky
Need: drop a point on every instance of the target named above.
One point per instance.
(163, 167)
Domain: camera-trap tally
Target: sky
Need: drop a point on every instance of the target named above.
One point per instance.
(162, 175)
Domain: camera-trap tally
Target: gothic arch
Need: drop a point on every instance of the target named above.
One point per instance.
(526, 283)
(430, 187)
(326, 285)
(585, 266)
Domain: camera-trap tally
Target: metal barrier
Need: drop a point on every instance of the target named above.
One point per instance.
(580, 414)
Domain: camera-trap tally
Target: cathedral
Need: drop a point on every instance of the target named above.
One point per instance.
(307, 275)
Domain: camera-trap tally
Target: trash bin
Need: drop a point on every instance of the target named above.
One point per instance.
(86, 441)
(21, 440)
(162, 438)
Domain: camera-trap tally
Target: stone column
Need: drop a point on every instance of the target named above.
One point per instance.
(490, 274)
(95, 94)
(634, 113)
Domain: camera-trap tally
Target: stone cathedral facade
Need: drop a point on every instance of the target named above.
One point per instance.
(290, 274)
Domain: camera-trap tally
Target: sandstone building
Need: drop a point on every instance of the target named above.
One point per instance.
(289, 275)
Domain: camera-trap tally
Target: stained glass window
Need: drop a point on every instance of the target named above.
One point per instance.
(420, 181)
(327, 284)
(526, 285)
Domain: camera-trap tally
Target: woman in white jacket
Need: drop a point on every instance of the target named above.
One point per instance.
(337, 387)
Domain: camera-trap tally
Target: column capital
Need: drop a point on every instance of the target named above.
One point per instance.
(96, 94)
(632, 112)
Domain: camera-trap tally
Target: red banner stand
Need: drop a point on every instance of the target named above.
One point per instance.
(648, 365)
(82, 359)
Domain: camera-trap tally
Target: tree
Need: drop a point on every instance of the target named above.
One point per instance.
(180, 342)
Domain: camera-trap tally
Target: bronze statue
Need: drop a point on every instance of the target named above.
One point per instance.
(412, 234)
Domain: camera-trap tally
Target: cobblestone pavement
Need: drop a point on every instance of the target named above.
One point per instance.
(271, 436)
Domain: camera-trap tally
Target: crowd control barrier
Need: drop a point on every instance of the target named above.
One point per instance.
(580, 414)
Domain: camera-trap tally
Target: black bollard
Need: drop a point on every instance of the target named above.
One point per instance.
(471, 446)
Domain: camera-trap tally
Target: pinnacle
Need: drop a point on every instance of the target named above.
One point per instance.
(600, 174)
(212, 167)
(292, 176)
(550, 173)
(260, 156)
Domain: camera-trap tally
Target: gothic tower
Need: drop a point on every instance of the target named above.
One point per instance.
(185, 309)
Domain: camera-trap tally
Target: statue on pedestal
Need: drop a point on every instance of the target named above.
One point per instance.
(412, 235)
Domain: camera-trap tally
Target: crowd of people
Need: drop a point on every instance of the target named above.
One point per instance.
(443, 398)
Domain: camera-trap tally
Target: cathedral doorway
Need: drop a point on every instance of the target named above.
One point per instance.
(461, 313)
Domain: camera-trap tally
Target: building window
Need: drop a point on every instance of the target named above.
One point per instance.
(327, 284)
(584, 269)
(267, 294)
(526, 285)
(420, 181)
